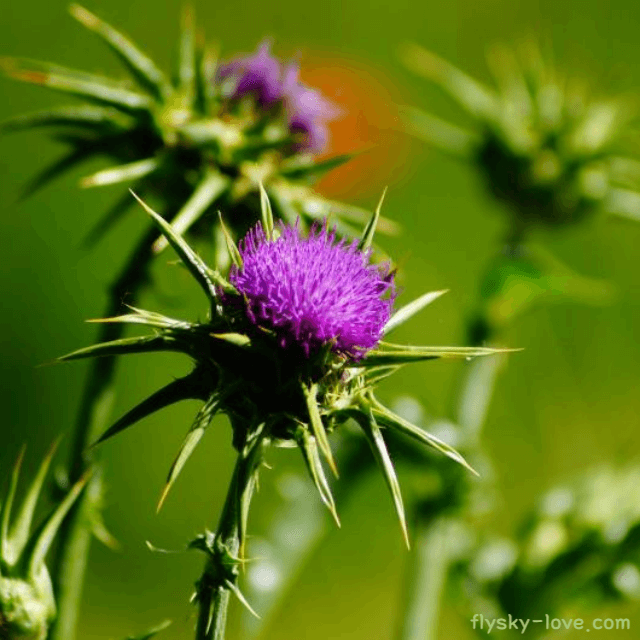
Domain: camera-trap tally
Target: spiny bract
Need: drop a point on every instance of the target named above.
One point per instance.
(27, 604)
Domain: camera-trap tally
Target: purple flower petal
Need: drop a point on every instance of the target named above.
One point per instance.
(315, 290)
(259, 74)
(308, 112)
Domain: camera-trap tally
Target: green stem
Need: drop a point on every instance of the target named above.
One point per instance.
(75, 535)
(221, 568)
(427, 573)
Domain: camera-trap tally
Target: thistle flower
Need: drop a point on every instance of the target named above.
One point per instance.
(27, 604)
(273, 83)
(547, 149)
(245, 366)
(191, 142)
(314, 291)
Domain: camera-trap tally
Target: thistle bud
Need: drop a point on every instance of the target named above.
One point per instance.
(27, 604)
(546, 148)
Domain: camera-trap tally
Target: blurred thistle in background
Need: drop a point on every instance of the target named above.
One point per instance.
(546, 147)
(579, 550)
(271, 83)
(553, 158)
(203, 141)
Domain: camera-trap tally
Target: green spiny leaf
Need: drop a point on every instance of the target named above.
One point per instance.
(152, 632)
(176, 391)
(143, 69)
(377, 358)
(232, 586)
(85, 116)
(409, 310)
(6, 547)
(391, 354)
(249, 464)
(236, 339)
(41, 540)
(309, 449)
(196, 266)
(474, 97)
(213, 185)
(512, 84)
(19, 533)
(317, 427)
(393, 421)
(298, 169)
(148, 319)
(137, 344)
(374, 375)
(373, 434)
(446, 137)
(267, 213)
(232, 248)
(202, 421)
(122, 173)
(84, 85)
(370, 229)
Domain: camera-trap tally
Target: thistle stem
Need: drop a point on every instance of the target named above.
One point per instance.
(426, 577)
(221, 568)
(75, 535)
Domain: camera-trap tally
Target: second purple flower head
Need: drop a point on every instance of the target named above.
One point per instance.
(272, 81)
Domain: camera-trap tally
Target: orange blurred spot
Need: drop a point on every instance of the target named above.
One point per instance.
(369, 124)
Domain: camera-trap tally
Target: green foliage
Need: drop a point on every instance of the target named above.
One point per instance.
(579, 549)
(552, 152)
(524, 277)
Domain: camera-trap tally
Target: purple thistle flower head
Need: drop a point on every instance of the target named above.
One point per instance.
(315, 290)
(308, 110)
(271, 81)
(259, 74)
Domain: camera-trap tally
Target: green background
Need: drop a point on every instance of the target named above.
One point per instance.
(568, 402)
